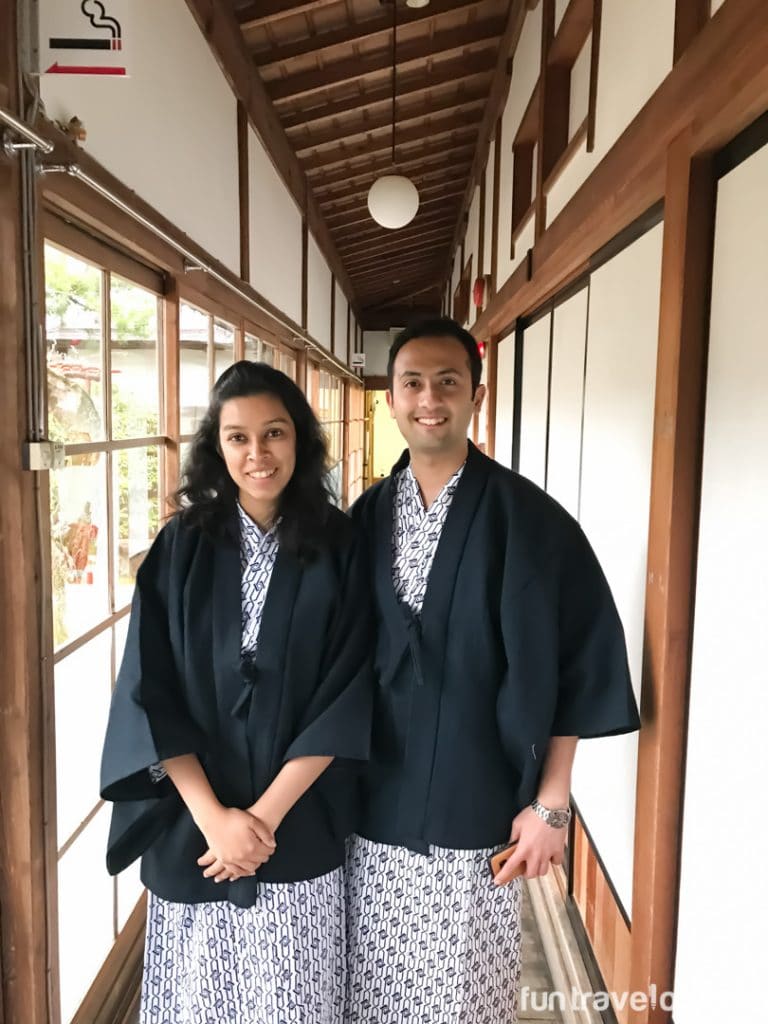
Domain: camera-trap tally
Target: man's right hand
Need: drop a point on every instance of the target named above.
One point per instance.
(238, 844)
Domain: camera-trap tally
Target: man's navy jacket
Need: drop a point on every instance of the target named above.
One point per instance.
(518, 640)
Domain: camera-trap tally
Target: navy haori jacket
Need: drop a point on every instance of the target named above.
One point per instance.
(182, 688)
(519, 640)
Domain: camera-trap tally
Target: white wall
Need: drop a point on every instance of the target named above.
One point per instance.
(533, 401)
(615, 495)
(505, 400)
(721, 941)
(488, 239)
(376, 347)
(636, 50)
(318, 295)
(170, 130)
(566, 406)
(579, 93)
(471, 247)
(340, 329)
(525, 71)
(275, 233)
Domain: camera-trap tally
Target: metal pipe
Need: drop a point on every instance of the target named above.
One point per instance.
(7, 118)
(76, 172)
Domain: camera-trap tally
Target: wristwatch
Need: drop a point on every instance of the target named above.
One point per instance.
(557, 818)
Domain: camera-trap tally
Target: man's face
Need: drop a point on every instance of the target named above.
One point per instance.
(431, 397)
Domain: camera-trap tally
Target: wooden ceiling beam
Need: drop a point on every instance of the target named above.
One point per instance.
(449, 72)
(462, 130)
(414, 268)
(382, 258)
(375, 237)
(362, 32)
(425, 157)
(427, 176)
(425, 220)
(383, 119)
(362, 220)
(363, 217)
(262, 12)
(493, 110)
(340, 204)
(365, 247)
(448, 43)
(220, 29)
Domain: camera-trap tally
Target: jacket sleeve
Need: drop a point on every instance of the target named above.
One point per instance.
(148, 718)
(337, 722)
(595, 695)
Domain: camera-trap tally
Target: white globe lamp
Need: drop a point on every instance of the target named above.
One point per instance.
(393, 201)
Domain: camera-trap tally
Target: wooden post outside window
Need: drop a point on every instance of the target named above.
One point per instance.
(689, 213)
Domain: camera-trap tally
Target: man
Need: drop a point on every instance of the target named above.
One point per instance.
(499, 646)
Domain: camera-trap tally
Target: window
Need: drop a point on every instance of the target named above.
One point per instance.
(105, 403)
(356, 441)
(326, 396)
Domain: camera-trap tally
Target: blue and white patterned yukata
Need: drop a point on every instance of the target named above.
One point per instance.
(282, 961)
(431, 939)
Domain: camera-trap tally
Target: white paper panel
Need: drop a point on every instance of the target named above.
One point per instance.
(318, 295)
(569, 333)
(505, 400)
(533, 401)
(726, 761)
(340, 327)
(615, 493)
(488, 239)
(275, 233)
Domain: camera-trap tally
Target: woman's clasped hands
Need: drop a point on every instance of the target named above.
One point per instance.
(238, 844)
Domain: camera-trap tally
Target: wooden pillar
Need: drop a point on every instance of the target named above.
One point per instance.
(674, 510)
(171, 396)
(23, 937)
(244, 192)
(492, 355)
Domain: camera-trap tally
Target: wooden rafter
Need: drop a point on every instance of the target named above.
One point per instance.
(424, 176)
(363, 32)
(362, 216)
(368, 122)
(425, 220)
(462, 128)
(443, 44)
(262, 12)
(429, 152)
(449, 72)
(377, 256)
(333, 207)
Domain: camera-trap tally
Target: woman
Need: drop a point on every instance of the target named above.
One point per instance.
(241, 708)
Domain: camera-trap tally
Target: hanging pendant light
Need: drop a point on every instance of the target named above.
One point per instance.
(393, 199)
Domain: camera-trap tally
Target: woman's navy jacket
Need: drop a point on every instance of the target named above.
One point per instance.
(519, 640)
(182, 688)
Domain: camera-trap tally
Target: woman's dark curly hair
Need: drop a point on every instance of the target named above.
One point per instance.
(207, 495)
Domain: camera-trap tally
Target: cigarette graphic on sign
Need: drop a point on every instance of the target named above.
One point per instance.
(96, 14)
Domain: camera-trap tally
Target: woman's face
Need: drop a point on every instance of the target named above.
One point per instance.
(258, 442)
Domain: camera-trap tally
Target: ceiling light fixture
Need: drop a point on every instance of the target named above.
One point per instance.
(416, 4)
(393, 199)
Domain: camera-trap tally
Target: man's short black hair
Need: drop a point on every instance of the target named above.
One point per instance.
(438, 327)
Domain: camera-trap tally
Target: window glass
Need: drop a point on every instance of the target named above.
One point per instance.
(74, 328)
(134, 360)
(136, 497)
(194, 377)
(79, 555)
